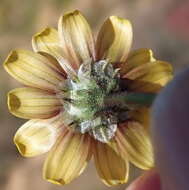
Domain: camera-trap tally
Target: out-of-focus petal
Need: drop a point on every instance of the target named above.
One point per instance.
(76, 38)
(37, 136)
(136, 58)
(134, 143)
(68, 158)
(149, 77)
(112, 169)
(33, 103)
(114, 40)
(142, 115)
(33, 69)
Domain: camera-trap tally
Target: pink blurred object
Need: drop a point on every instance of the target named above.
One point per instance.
(178, 20)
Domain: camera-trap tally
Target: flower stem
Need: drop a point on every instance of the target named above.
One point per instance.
(130, 98)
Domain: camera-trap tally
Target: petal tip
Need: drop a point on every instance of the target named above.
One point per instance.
(117, 18)
(68, 14)
(43, 33)
(13, 102)
(72, 13)
(114, 182)
(51, 179)
(55, 181)
(22, 148)
(12, 57)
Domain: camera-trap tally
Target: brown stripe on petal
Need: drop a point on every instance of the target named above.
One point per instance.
(68, 158)
(149, 77)
(33, 69)
(54, 64)
(114, 40)
(134, 140)
(32, 103)
(137, 58)
(37, 136)
(112, 169)
(146, 71)
(76, 38)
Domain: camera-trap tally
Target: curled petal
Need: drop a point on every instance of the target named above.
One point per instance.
(37, 136)
(112, 169)
(54, 62)
(46, 41)
(76, 38)
(32, 103)
(33, 69)
(68, 158)
(132, 142)
(137, 58)
(149, 77)
(114, 40)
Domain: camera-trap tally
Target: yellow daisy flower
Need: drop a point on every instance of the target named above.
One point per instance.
(85, 98)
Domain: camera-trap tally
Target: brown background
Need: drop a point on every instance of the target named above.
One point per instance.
(160, 25)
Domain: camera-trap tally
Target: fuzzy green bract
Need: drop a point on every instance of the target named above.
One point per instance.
(84, 100)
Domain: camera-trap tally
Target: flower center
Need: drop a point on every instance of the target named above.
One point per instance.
(85, 100)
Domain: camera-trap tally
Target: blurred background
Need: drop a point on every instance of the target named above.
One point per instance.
(160, 25)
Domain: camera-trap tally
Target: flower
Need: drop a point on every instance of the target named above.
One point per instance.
(86, 98)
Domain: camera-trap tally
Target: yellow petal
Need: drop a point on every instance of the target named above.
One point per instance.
(112, 169)
(31, 103)
(37, 136)
(149, 77)
(54, 63)
(33, 69)
(68, 158)
(134, 143)
(76, 38)
(114, 40)
(137, 58)
(46, 41)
